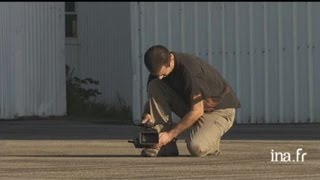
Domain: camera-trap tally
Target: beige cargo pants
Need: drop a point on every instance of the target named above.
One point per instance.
(205, 134)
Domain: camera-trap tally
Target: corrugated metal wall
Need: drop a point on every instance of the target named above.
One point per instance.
(32, 60)
(103, 48)
(268, 51)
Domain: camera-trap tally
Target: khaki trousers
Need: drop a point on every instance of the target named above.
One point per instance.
(204, 137)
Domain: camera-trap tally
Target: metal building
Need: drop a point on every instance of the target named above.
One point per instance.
(32, 59)
(268, 51)
(34, 51)
(102, 48)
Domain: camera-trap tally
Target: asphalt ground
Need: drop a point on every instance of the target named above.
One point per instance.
(60, 149)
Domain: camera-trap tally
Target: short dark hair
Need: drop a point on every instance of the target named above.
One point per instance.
(155, 57)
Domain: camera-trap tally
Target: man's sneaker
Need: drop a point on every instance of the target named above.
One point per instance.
(169, 149)
(150, 152)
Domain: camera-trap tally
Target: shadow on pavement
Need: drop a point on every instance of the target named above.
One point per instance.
(74, 130)
(86, 156)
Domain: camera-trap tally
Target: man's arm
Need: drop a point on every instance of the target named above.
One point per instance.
(146, 116)
(187, 121)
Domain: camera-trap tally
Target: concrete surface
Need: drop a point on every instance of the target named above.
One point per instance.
(59, 149)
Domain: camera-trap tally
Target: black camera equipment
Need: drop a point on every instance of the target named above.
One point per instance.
(147, 138)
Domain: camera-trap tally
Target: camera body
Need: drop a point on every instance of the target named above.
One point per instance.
(147, 137)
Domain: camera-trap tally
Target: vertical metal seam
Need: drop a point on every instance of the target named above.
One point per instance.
(156, 27)
(7, 56)
(280, 56)
(8, 106)
(42, 58)
(196, 29)
(295, 63)
(95, 50)
(2, 57)
(36, 56)
(13, 57)
(310, 62)
(223, 40)
(53, 51)
(266, 63)
(11, 67)
(28, 57)
(252, 87)
(51, 69)
(13, 60)
(56, 58)
(8, 82)
(209, 34)
(169, 26)
(135, 43)
(50, 49)
(237, 54)
(141, 45)
(97, 44)
(24, 95)
(183, 46)
(62, 78)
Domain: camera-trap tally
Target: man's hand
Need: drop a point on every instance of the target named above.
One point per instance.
(188, 120)
(147, 119)
(165, 138)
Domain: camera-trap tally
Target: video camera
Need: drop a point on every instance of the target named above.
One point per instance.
(147, 138)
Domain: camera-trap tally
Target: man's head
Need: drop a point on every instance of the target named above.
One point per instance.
(159, 61)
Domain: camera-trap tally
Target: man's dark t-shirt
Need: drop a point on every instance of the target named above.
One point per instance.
(192, 76)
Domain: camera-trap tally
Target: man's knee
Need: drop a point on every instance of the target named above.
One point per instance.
(196, 148)
(200, 149)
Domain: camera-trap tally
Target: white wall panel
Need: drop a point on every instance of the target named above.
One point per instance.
(268, 51)
(5, 96)
(103, 48)
(32, 59)
(314, 54)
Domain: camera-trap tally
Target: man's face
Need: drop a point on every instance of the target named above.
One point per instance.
(165, 70)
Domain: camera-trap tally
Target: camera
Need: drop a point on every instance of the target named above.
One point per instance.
(147, 137)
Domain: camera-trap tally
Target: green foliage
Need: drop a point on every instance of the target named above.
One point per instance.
(81, 101)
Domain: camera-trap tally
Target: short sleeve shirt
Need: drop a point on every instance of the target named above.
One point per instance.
(196, 80)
